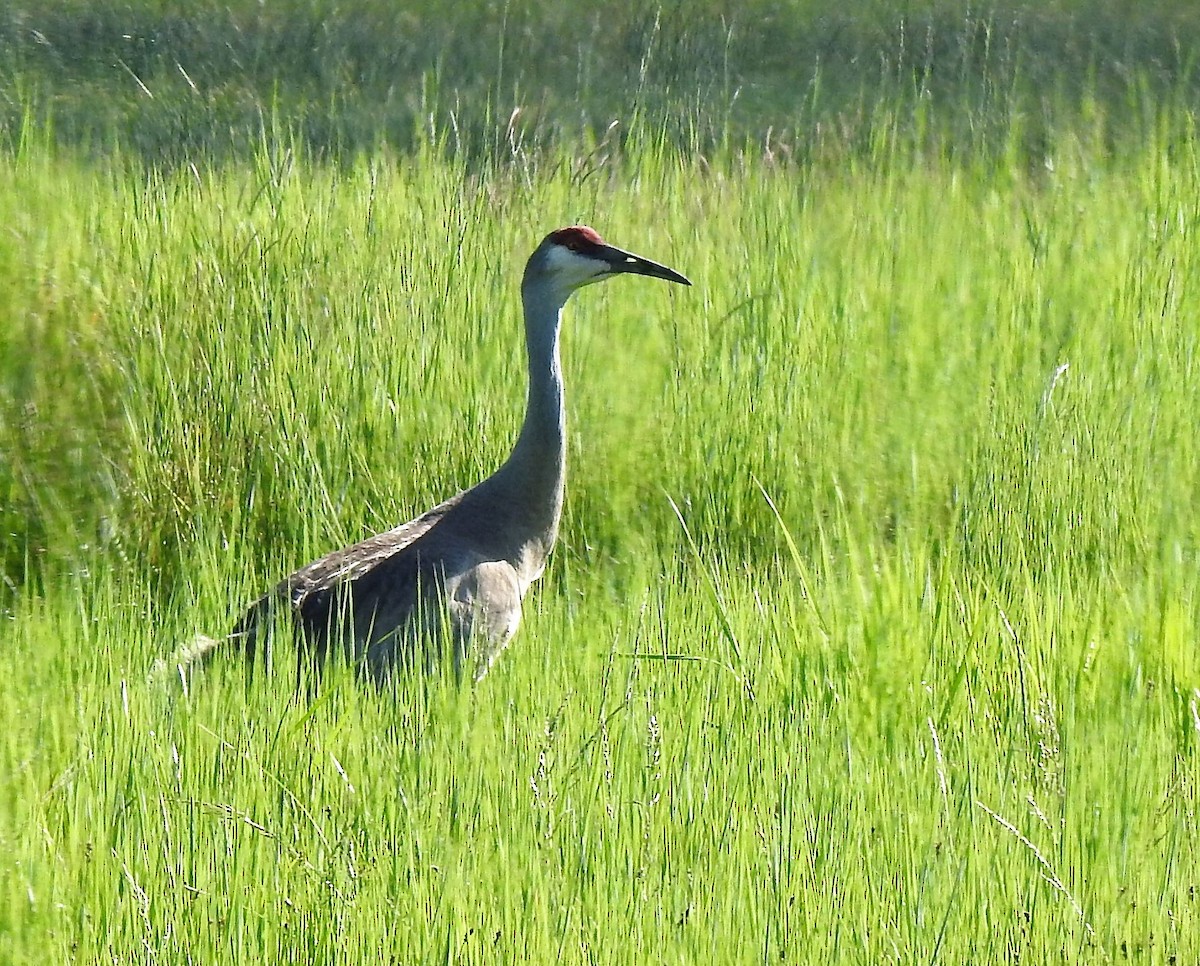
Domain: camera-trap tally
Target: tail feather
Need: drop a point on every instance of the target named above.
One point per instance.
(197, 653)
(187, 658)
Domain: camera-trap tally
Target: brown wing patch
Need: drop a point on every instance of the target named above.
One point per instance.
(352, 562)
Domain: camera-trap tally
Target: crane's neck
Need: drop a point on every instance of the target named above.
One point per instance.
(530, 483)
(543, 434)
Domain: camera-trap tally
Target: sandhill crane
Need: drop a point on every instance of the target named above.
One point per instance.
(464, 566)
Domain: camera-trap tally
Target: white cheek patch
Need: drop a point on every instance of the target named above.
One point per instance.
(573, 267)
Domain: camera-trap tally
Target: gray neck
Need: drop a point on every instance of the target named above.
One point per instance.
(544, 430)
(531, 481)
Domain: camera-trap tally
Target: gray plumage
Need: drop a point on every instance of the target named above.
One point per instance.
(462, 568)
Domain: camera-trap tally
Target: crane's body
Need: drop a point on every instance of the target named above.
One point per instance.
(464, 567)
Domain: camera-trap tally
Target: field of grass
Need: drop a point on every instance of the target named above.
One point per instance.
(871, 635)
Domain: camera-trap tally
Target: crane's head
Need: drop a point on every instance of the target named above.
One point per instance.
(571, 258)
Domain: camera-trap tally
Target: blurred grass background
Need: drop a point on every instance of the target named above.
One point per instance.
(177, 82)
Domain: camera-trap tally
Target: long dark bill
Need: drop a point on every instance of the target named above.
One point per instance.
(622, 261)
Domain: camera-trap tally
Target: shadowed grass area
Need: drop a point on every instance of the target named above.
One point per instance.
(177, 83)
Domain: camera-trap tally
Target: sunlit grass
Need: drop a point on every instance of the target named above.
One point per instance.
(871, 635)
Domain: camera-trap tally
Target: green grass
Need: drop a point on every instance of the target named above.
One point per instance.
(871, 636)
